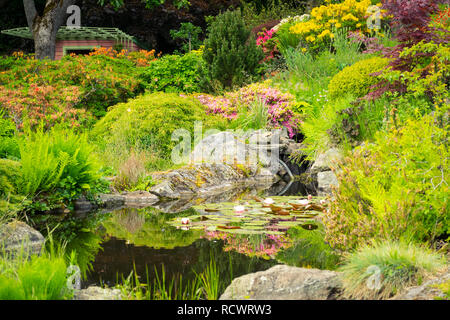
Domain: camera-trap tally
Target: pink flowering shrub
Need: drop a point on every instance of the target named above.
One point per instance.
(279, 104)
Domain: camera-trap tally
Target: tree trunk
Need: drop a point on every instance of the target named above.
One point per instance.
(45, 26)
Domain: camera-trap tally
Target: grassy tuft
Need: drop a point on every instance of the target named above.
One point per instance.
(383, 269)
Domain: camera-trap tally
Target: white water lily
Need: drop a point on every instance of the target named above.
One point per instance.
(239, 209)
(185, 221)
(185, 228)
(303, 202)
(268, 201)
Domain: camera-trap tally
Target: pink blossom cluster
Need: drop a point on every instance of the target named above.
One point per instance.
(278, 104)
(266, 36)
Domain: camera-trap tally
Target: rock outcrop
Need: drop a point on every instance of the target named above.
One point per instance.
(322, 171)
(283, 282)
(428, 291)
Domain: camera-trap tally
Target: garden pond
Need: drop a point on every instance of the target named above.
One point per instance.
(245, 235)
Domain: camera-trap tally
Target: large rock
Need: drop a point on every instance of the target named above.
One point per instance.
(252, 150)
(325, 181)
(17, 235)
(97, 293)
(207, 179)
(325, 161)
(283, 282)
(427, 291)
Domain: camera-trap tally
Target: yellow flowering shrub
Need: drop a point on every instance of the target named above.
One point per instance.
(318, 31)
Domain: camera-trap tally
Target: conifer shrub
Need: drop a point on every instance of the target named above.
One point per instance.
(357, 78)
(231, 55)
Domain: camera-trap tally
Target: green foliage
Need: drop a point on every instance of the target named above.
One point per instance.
(66, 167)
(359, 122)
(320, 123)
(259, 12)
(396, 265)
(393, 188)
(308, 75)
(38, 278)
(255, 116)
(147, 123)
(231, 56)
(356, 79)
(8, 142)
(210, 279)
(10, 201)
(189, 34)
(173, 73)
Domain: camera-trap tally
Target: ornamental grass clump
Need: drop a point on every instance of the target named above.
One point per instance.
(381, 270)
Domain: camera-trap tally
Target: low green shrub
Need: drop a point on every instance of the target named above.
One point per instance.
(393, 188)
(383, 269)
(173, 73)
(38, 278)
(146, 124)
(319, 123)
(10, 200)
(356, 79)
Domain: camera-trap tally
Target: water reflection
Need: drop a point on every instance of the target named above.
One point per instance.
(110, 246)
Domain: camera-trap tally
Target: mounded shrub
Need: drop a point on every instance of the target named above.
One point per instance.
(148, 121)
(357, 78)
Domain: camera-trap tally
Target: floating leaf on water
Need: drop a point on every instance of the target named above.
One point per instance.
(283, 212)
(314, 207)
(228, 227)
